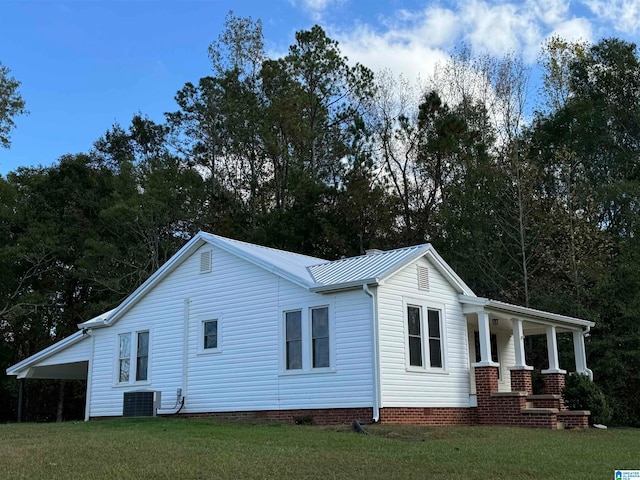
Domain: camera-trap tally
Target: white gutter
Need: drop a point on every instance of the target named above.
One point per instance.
(376, 351)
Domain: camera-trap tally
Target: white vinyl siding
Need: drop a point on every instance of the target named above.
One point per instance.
(248, 373)
(401, 384)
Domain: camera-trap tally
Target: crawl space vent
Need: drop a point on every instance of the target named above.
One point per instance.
(423, 278)
(205, 262)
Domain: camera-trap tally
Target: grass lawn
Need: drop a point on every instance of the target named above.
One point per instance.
(203, 449)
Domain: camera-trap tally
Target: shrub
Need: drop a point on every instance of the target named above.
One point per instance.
(580, 393)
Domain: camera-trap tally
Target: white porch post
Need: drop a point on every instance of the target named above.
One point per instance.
(552, 350)
(485, 342)
(518, 345)
(580, 354)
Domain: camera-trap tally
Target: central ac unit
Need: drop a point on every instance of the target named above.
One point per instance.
(141, 403)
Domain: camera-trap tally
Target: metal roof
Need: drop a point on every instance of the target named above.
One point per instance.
(362, 268)
(291, 265)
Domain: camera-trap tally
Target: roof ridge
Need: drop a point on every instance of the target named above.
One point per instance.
(249, 244)
(369, 255)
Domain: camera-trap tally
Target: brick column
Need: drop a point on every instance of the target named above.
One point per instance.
(521, 381)
(486, 384)
(553, 385)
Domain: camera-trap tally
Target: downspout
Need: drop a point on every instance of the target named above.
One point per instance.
(376, 352)
(87, 407)
(585, 334)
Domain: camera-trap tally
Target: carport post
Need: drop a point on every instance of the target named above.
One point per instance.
(20, 395)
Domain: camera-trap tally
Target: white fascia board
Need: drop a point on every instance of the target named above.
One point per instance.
(400, 265)
(476, 304)
(46, 353)
(445, 269)
(344, 286)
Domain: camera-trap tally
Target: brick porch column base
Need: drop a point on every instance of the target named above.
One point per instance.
(486, 384)
(553, 385)
(521, 381)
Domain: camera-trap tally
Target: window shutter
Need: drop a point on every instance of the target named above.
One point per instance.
(205, 262)
(423, 278)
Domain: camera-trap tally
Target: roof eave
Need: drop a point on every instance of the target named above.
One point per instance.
(517, 310)
(46, 353)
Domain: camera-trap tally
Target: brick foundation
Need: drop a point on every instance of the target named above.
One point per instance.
(323, 416)
(486, 384)
(430, 416)
(521, 381)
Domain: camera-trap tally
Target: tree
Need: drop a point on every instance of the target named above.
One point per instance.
(11, 105)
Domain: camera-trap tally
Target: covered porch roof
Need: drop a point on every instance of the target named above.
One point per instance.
(534, 321)
(67, 359)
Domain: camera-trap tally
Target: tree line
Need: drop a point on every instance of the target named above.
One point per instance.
(313, 154)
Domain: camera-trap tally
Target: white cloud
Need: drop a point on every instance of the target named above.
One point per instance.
(401, 51)
(549, 12)
(500, 29)
(413, 41)
(624, 15)
(315, 8)
(574, 30)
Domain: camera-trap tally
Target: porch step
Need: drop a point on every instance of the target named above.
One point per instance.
(538, 411)
(574, 418)
(546, 401)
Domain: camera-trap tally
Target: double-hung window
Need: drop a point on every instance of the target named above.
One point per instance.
(424, 342)
(293, 326)
(133, 357)
(307, 339)
(210, 336)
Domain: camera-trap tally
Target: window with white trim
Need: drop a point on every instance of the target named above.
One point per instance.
(133, 358)
(124, 357)
(307, 342)
(424, 341)
(142, 356)
(320, 336)
(293, 340)
(210, 334)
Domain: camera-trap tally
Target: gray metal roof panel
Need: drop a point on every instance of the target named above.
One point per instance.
(363, 267)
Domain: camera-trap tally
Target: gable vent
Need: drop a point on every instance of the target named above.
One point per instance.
(205, 262)
(423, 278)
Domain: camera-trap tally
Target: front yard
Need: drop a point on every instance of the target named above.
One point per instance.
(204, 449)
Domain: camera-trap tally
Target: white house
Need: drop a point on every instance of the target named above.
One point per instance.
(230, 328)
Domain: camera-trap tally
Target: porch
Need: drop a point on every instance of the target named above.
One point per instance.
(500, 379)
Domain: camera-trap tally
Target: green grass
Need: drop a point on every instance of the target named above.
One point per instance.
(203, 449)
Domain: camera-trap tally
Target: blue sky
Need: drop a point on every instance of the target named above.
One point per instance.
(85, 65)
